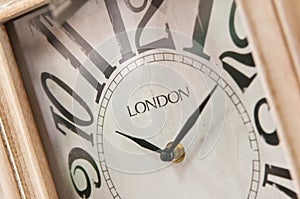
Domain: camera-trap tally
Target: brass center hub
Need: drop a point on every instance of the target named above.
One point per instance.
(179, 152)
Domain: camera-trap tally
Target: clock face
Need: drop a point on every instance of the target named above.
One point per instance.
(145, 99)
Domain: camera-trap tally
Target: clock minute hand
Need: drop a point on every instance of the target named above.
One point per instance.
(143, 143)
(166, 155)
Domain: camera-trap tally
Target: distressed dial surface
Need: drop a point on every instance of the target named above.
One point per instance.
(142, 68)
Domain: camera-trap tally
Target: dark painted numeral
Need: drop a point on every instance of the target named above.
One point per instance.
(241, 79)
(270, 138)
(80, 154)
(92, 54)
(166, 42)
(60, 121)
(119, 29)
(200, 28)
(60, 47)
(239, 42)
(246, 59)
(136, 9)
(271, 170)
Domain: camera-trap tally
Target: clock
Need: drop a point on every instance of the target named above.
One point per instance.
(144, 99)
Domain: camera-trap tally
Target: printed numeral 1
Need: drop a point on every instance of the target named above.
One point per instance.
(271, 170)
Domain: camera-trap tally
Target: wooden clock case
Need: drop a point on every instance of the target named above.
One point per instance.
(274, 31)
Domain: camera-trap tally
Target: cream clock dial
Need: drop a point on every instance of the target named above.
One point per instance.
(165, 97)
(152, 99)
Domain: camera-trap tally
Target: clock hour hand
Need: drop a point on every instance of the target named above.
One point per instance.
(143, 143)
(167, 154)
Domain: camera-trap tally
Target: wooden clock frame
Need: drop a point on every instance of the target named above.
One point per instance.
(274, 31)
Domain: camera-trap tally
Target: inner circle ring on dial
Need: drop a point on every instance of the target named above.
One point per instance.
(253, 190)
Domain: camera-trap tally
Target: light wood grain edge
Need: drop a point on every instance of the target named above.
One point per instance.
(289, 15)
(9, 187)
(277, 66)
(10, 9)
(21, 132)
